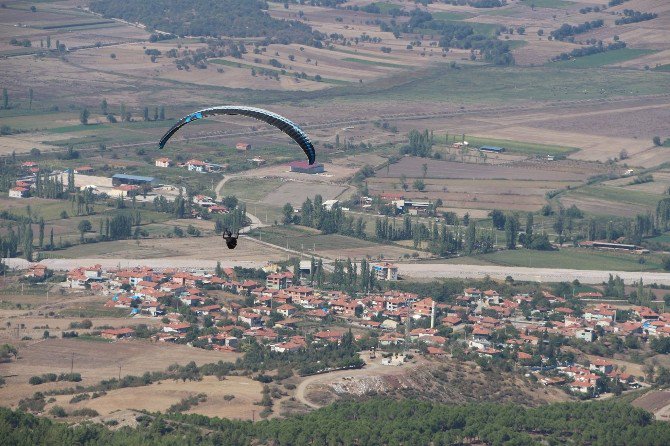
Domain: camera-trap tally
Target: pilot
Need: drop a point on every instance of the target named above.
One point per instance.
(231, 241)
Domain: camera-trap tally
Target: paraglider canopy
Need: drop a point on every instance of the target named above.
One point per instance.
(273, 119)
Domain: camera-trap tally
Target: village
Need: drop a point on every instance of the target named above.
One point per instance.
(542, 334)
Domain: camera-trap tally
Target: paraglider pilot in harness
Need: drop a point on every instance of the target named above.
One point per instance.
(278, 121)
(231, 240)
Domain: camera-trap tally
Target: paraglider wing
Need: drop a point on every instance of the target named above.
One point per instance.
(268, 117)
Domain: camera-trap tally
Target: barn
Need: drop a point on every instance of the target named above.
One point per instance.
(305, 167)
(136, 180)
(491, 149)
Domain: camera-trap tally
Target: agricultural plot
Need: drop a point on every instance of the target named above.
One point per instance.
(296, 193)
(333, 246)
(412, 167)
(95, 361)
(601, 59)
(607, 200)
(163, 394)
(570, 258)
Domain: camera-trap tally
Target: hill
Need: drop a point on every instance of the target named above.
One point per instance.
(233, 18)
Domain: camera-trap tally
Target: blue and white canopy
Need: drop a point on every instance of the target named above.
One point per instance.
(266, 116)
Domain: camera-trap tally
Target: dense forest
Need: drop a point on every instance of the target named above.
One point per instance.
(373, 422)
(233, 18)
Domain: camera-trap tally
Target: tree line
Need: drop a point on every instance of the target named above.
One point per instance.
(373, 422)
(235, 18)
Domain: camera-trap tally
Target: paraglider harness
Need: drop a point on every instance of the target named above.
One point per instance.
(231, 241)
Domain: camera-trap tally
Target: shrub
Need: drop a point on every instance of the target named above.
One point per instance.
(58, 412)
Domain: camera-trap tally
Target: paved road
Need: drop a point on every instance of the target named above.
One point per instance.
(408, 270)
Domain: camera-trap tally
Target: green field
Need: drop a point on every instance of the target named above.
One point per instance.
(251, 189)
(505, 85)
(373, 62)
(449, 15)
(302, 239)
(385, 7)
(602, 59)
(556, 4)
(569, 258)
(619, 194)
(665, 67)
(521, 147)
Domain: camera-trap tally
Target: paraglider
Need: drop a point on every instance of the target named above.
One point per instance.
(266, 116)
(231, 240)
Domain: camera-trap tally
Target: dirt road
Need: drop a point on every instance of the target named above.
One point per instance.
(441, 270)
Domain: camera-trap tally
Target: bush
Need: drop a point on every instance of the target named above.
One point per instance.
(80, 397)
(84, 412)
(35, 380)
(58, 412)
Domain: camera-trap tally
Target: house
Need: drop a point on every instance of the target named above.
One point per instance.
(38, 271)
(329, 336)
(472, 293)
(602, 366)
(390, 339)
(286, 310)
(581, 387)
(117, 333)
(252, 319)
(242, 146)
(163, 162)
(385, 271)
(305, 167)
(19, 192)
(586, 334)
(195, 165)
(84, 170)
(177, 327)
(277, 281)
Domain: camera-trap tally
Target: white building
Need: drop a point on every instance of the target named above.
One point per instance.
(385, 271)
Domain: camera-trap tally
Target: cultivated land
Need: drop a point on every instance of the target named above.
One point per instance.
(357, 103)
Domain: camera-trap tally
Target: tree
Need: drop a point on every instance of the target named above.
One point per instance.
(5, 99)
(470, 235)
(528, 237)
(84, 115)
(145, 113)
(656, 139)
(104, 107)
(498, 219)
(30, 98)
(424, 169)
(419, 185)
(161, 114)
(511, 231)
(28, 243)
(84, 226)
(288, 213)
(41, 233)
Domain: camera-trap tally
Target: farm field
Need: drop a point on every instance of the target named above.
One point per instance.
(333, 246)
(567, 258)
(607, 200)
(206, 247)
(615, 57)
(161, 395)
(95, 361)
